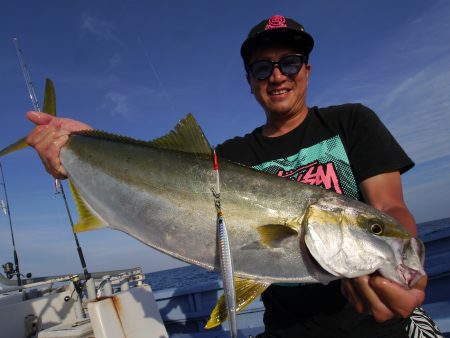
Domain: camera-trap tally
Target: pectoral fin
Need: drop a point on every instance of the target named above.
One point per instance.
(273, 234)
(88, 221)
(246, 292)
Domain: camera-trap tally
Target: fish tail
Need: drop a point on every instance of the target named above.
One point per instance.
(49, 108)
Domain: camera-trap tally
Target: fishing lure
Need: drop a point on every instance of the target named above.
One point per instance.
(225, 257)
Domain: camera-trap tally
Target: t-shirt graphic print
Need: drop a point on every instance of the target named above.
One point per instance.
(324, 164)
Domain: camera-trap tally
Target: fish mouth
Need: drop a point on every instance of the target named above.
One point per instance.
(409, 257)
(408, 275)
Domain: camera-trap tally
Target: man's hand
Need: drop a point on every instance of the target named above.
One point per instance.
(382, 298)
(49, 136)
(374, 294)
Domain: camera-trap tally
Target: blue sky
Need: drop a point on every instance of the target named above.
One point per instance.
(137, 67)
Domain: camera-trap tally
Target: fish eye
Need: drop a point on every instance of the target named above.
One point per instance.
(376, 229)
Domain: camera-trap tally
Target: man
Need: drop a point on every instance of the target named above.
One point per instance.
(344, 148)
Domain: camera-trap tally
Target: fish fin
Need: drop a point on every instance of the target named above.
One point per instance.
(49, 108)
(187, 136)
(246, 292)
(88, 221)
(20, 144)
(273, 234)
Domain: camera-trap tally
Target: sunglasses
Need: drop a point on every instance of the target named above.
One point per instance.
(288, 65)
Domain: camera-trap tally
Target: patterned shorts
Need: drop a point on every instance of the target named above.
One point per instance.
(422, 326)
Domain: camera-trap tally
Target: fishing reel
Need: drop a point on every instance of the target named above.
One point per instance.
(10, 271)
(77, 287)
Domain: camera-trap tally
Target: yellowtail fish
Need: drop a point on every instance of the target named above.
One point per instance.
(279, 231)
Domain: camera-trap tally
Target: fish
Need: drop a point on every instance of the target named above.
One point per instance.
(279, 230)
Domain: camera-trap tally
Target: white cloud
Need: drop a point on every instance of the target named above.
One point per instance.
(408, 84)
(121, 104)
(115, 60)
(422, 104)
(117, 104)
(101, 29)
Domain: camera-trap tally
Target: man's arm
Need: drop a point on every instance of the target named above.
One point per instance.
(384, 192)
(374, 294)
(49, 136)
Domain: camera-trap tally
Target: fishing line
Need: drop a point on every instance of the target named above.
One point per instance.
(148, 59)
(155, 73)
(152, 65)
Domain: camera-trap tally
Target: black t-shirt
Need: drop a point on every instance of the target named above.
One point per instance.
(336, 148)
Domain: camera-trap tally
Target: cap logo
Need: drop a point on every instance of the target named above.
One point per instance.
(276, 21)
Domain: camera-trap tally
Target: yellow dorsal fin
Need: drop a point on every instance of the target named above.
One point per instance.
(187, 136)
(246, 292)
(273, 234)
(49, 108)
(88, 221)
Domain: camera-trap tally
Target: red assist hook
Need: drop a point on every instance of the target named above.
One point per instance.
(215, 161)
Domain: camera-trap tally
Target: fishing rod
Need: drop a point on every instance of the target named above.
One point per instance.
(9, 268)
(58, 186)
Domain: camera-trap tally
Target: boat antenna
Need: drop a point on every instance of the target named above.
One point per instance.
(8, 267)
(58, 185)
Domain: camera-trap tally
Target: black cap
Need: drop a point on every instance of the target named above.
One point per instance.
(277, 28)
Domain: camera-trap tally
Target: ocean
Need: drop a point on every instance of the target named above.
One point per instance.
(185, 276)
(191, 275)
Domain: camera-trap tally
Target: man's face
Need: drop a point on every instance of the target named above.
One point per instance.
(281, 96)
